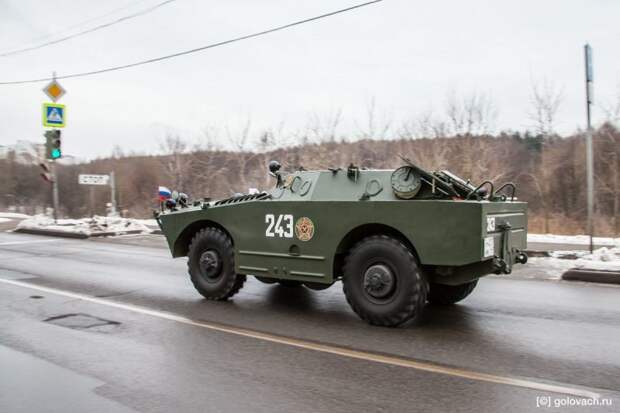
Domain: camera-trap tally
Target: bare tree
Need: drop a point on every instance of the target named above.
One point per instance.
(611, 109)
(271, 138)
(471, 114)
(375, 127)
(425, 125)
(608, 183)
(210, 139)
(117, 152)
(455, 114)
(545, 99)
(174, 161)
(240, 139)
(323, 128)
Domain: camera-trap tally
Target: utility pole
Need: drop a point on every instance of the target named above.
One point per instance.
(113, 193)
(589, 153)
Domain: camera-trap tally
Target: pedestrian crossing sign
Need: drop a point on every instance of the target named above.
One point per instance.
(54, 115)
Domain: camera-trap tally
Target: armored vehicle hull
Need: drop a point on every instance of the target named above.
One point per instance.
(317, 227)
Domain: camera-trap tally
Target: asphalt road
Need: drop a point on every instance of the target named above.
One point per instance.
(115, 325)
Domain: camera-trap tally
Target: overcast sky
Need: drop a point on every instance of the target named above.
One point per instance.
(406, 54)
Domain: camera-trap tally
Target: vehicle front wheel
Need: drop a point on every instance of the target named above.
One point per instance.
(443, 294)
(211, 265)
(383, 282)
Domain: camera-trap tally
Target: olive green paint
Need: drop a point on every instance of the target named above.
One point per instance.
(447, 233)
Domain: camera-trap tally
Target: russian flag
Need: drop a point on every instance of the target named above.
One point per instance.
(164, 193)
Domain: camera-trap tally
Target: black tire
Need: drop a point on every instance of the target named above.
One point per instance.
(211, 265)
(290, 283)
(442, 294)
(383, 282)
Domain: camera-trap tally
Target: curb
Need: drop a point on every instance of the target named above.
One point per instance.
(535, 253)
(114, 233)
(593, 276)
(75, 235)
(52, 233)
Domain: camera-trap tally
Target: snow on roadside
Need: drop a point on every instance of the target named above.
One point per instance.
(4, 220)
(572, 239)
(85, 226)
(148, 222)
(601, 259)
(546, 268)
(552, 267)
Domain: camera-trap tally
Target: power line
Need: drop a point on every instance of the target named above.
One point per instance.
(84, 22)
(92, 29)
(198, 49)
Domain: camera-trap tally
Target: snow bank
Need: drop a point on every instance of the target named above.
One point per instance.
(148, 222)
(572, 239)
(601, 259)
(85, 226)
(607, 259)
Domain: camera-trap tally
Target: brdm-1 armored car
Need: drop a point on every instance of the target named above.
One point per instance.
(397, 239)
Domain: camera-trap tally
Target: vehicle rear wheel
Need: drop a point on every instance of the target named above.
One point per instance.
(443, 294)
(211, 265)
(383, 282)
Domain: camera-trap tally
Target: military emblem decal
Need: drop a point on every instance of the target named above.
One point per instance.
(304, 229)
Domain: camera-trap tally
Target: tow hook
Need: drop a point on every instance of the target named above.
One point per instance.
(505, 262)
(521, 257)
(501, 267)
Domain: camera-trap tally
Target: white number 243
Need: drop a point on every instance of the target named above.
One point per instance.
(282, 226)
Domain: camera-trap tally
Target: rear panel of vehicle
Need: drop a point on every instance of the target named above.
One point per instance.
(504, 228)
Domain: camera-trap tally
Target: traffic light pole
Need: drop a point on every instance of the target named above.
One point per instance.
(54, 190)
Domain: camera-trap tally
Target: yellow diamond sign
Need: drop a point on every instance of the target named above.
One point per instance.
(54, 91)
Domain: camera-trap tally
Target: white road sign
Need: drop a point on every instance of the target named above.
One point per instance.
(94, 179)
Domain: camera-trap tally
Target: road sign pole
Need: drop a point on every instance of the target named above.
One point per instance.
(55, 118)
(92, 201)
(589, 152)
(55, 190)
(113, 192)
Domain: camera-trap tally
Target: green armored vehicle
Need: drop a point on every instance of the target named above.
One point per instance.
(397, 239)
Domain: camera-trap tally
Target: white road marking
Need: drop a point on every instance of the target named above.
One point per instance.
(324, 348)
(34, 241)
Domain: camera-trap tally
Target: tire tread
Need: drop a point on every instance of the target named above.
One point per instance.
(233, 284)
(450, 294)
(415, 301)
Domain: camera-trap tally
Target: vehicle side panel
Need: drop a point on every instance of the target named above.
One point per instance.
(445, 233)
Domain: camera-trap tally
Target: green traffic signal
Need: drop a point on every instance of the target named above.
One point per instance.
(53, 144)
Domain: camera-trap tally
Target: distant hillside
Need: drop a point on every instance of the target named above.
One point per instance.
(549, 173)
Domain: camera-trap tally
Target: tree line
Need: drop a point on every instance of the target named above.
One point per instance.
(549, 171)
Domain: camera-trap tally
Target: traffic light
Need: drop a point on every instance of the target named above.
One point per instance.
(47, 173)
(53, 149)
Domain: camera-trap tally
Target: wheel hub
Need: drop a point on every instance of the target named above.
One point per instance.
(210, 264)
(379, 281)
